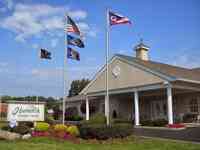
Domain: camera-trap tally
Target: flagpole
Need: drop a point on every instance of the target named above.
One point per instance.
(64, 67)
(107, 105)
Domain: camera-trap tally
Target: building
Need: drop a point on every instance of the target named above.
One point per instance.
(141, 89)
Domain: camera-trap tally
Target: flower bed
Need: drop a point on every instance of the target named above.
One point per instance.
(58, 131)
(40, 133)
(176, 126)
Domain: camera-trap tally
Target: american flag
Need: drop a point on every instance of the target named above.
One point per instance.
(72, 27)
(118, 19)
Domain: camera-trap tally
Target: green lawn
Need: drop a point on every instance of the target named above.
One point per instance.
(129, 144)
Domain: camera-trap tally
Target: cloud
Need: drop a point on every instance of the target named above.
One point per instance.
(54, 43)
(3, 64)
(35, 46)
(10, 4)
(3, 9)
(87, 30)
(7, 5)
(78, 15)
(34, 19)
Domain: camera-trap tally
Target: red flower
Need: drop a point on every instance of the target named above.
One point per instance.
(176, 125)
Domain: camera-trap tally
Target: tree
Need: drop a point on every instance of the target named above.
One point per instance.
(77, 86)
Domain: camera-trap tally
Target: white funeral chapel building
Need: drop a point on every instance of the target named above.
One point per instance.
(142, 89)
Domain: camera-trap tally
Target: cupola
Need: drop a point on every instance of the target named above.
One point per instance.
(142, 51)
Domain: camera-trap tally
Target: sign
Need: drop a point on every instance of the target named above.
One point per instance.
(25, 112)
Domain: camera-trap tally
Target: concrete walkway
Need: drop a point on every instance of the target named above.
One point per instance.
(188, 134)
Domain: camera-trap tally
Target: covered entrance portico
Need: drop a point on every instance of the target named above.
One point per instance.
(155, 90)
(169, 101)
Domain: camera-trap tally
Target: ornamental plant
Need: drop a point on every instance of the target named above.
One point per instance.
(73, 130)
(60, 127)
(40, 133)
(176, 126)
(41, 126)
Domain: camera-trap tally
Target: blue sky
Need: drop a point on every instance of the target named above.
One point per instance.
(171, 29)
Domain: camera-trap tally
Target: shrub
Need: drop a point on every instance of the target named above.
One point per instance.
(41, 126)
(60, 127)
(73, 130)
(155, 123)
(77, 118)
(26, 123)
(189, 117)
(103, 132)
(74, 118)
(120, 120)
(6, 128)
(97, 119)
(160, 122)
(21, 129)
(49, 119)
(147, 123)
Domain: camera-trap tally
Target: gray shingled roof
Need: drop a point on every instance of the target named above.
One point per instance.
(169, 70)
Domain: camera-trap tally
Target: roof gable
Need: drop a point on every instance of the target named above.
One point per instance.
(131, 75)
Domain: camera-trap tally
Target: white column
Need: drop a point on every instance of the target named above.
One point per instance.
(169, 105)
(136, 103)
(87, 109)
(107, 110)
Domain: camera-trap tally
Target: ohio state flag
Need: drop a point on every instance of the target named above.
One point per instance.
(115, 18)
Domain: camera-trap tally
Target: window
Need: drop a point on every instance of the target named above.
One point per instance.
(102, 108)
(194, 105)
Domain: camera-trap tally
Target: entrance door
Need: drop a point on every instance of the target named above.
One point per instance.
(159, 109)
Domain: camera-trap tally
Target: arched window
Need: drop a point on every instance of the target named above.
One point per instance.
(194, 105)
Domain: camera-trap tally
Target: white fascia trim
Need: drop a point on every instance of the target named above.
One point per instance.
(130, 89)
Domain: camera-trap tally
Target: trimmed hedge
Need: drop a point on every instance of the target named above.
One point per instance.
(120, 120)
(96, 119)
(155, 123)
(74, 118)
(103, 132)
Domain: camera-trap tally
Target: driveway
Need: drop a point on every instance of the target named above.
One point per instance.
(188, 134)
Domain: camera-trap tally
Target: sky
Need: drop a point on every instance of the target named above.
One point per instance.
(170, 28)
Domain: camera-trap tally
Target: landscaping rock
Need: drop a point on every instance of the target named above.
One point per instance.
(26, 136)
(9, 135)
